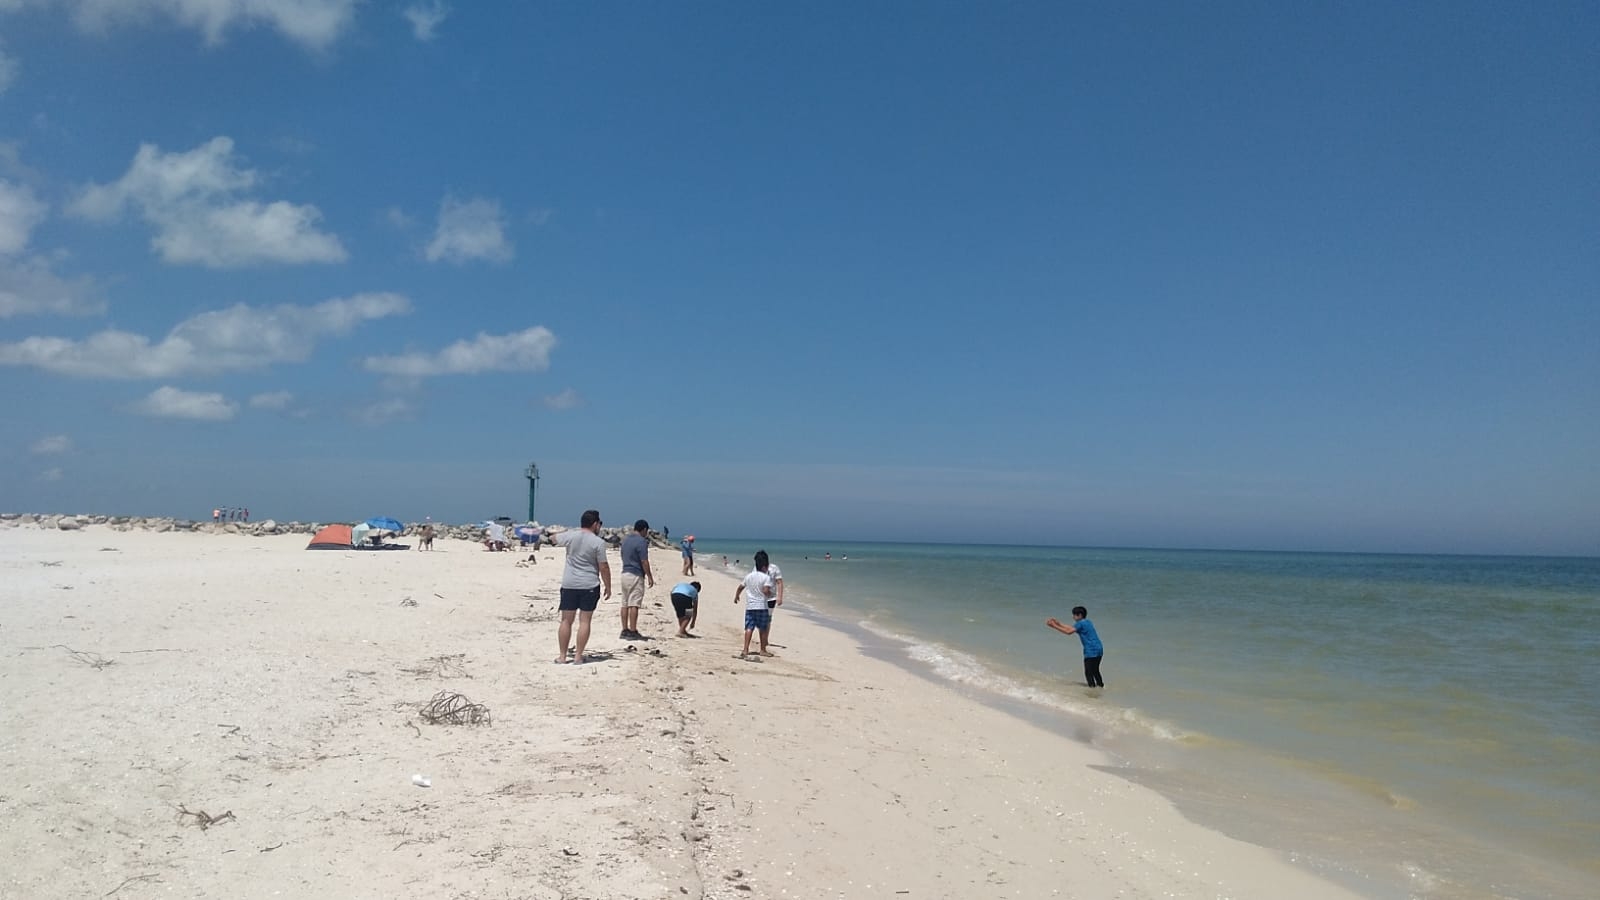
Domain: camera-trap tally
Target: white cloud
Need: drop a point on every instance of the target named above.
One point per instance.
(272, 400)
(425, 18)
(237, 338)
(384, 411)
(395, 217)
(314, 24)
(171, 403)
(52, 445)
(20, 213)
(28, 283)
(51, 475)
(567, 399)
(468, 230)
(30, 286)
(192, 201)
(522, 351)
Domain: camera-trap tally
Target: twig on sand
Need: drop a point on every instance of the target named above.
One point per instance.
(413, 726)
(128, 881)
(204, 819)
(272, 848)
(92, 660)
(447, 708)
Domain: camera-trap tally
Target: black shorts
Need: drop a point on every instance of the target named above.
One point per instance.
(581, 599)
(772, 604)
(682, 604)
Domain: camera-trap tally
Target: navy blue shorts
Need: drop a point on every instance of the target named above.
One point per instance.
(581, 599)
(682, 604)
(759, 619)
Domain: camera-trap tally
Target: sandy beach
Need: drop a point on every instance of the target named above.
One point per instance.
(216, 715)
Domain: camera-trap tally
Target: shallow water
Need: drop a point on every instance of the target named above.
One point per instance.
(1414, 725)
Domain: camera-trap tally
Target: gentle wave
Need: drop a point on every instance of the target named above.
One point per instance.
(964, 668)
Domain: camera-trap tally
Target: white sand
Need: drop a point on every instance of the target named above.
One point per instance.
(250, 676)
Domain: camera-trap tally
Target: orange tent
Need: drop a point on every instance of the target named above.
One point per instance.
(332, 537)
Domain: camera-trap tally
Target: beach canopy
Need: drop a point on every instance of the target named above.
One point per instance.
(332, 537)
(384, 523)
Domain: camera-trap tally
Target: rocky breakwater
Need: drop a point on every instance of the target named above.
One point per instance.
(468, 532)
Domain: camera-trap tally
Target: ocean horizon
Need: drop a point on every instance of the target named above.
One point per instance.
(1414, 725)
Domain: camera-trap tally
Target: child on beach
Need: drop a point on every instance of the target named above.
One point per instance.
(1093, 651)
(757, 589)
(685, 596)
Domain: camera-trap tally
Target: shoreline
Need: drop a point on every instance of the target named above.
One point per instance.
(1365, 835)
(669, 770)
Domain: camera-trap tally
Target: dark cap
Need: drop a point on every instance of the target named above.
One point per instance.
(641, 526)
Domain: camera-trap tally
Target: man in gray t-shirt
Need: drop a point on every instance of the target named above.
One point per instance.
(586, 570)
(636, 575)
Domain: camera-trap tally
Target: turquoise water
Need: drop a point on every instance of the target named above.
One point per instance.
(1415, 725)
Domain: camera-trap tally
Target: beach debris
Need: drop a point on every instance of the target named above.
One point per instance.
(448, 708)
(407, 601)
(272, 848)
(204, 819)
(49, 563)
(92, 660)
(568, 851)
(421, 781)
(449, 665)
(149, 877)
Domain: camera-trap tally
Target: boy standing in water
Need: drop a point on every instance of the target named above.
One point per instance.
(1093, 651)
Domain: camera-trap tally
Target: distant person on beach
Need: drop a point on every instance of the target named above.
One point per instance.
(636, 575)
(688, 555)
(1093, 651)
(586, 570)
(685, 597)
(216, 515)
(756, 589)
(494, 537)
(425, 537)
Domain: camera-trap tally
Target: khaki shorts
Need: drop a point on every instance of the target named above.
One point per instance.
(632, 590)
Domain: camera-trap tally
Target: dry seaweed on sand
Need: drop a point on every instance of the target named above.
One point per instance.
(204, 819)
(449, 665)
(448, 708)
(92, 660)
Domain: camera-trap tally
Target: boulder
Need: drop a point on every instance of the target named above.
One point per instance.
(68, 524)
(267, 527)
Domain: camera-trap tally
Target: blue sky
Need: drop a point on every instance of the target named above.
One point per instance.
(1191, 275)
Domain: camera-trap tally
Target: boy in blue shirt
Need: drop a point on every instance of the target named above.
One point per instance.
(1093, 651)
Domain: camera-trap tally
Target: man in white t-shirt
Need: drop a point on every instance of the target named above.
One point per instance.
(756, 589)
(586, 570)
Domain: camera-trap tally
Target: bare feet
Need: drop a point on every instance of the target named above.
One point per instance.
(768, 653)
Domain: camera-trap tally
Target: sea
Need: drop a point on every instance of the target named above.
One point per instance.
(1410, 726)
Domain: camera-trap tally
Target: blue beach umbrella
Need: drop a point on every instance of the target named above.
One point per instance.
(384, 523)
